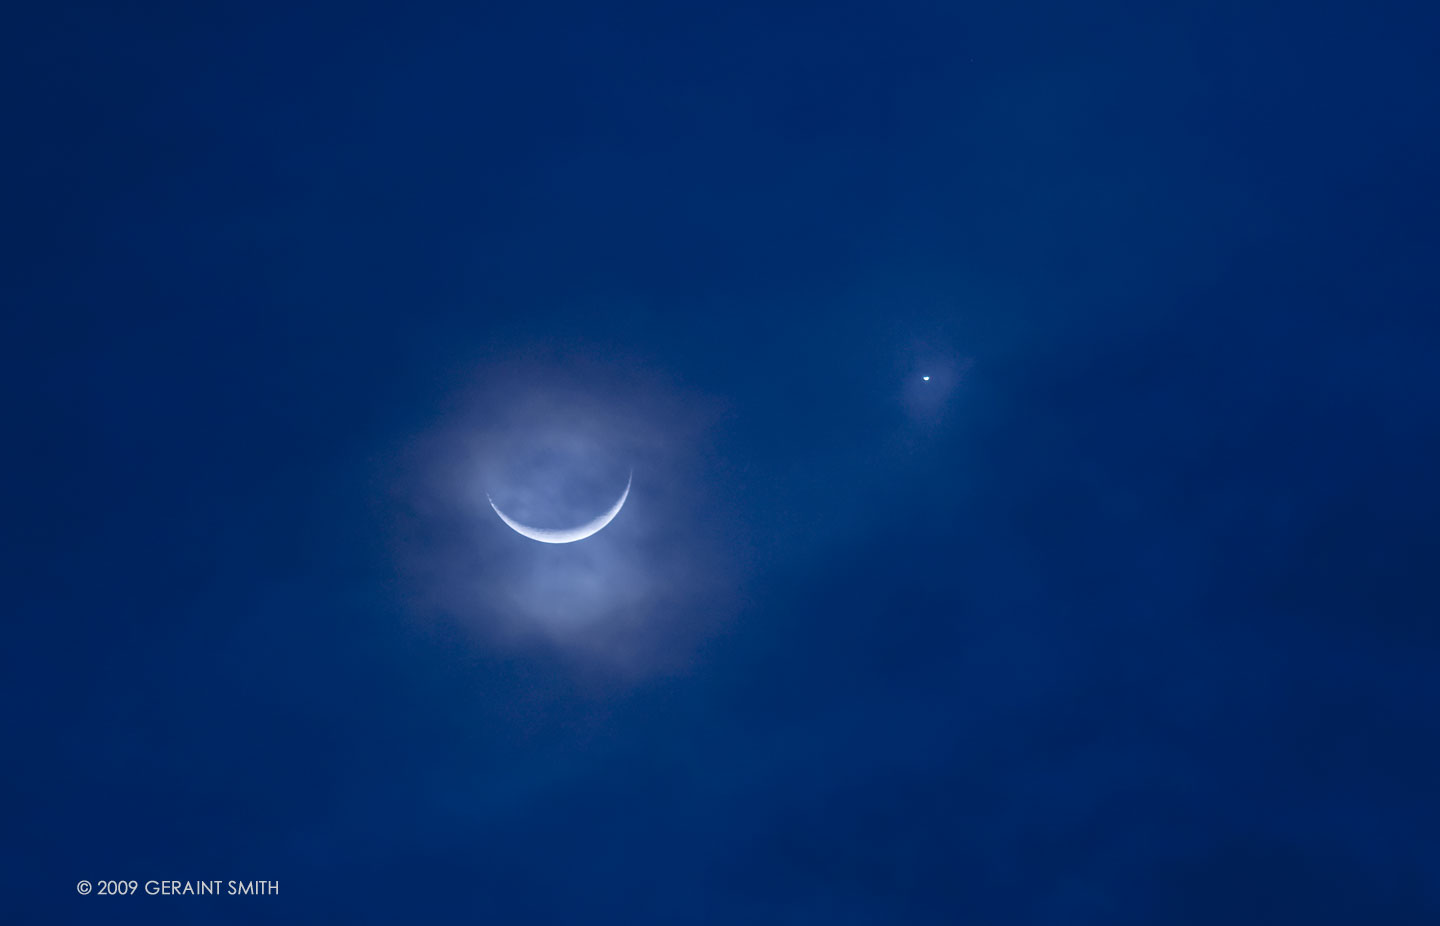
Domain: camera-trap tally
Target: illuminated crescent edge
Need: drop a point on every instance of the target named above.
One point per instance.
(569, 535)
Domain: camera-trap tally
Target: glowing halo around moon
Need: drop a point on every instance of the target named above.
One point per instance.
(569, 535)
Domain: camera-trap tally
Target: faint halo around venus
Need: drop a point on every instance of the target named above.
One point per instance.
(569, 535)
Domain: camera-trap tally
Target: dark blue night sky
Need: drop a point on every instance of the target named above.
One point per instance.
(1128, 615)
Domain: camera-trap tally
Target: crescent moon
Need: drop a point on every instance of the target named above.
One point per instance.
(569, 535)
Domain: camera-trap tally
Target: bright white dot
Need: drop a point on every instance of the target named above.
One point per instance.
(926, 378)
